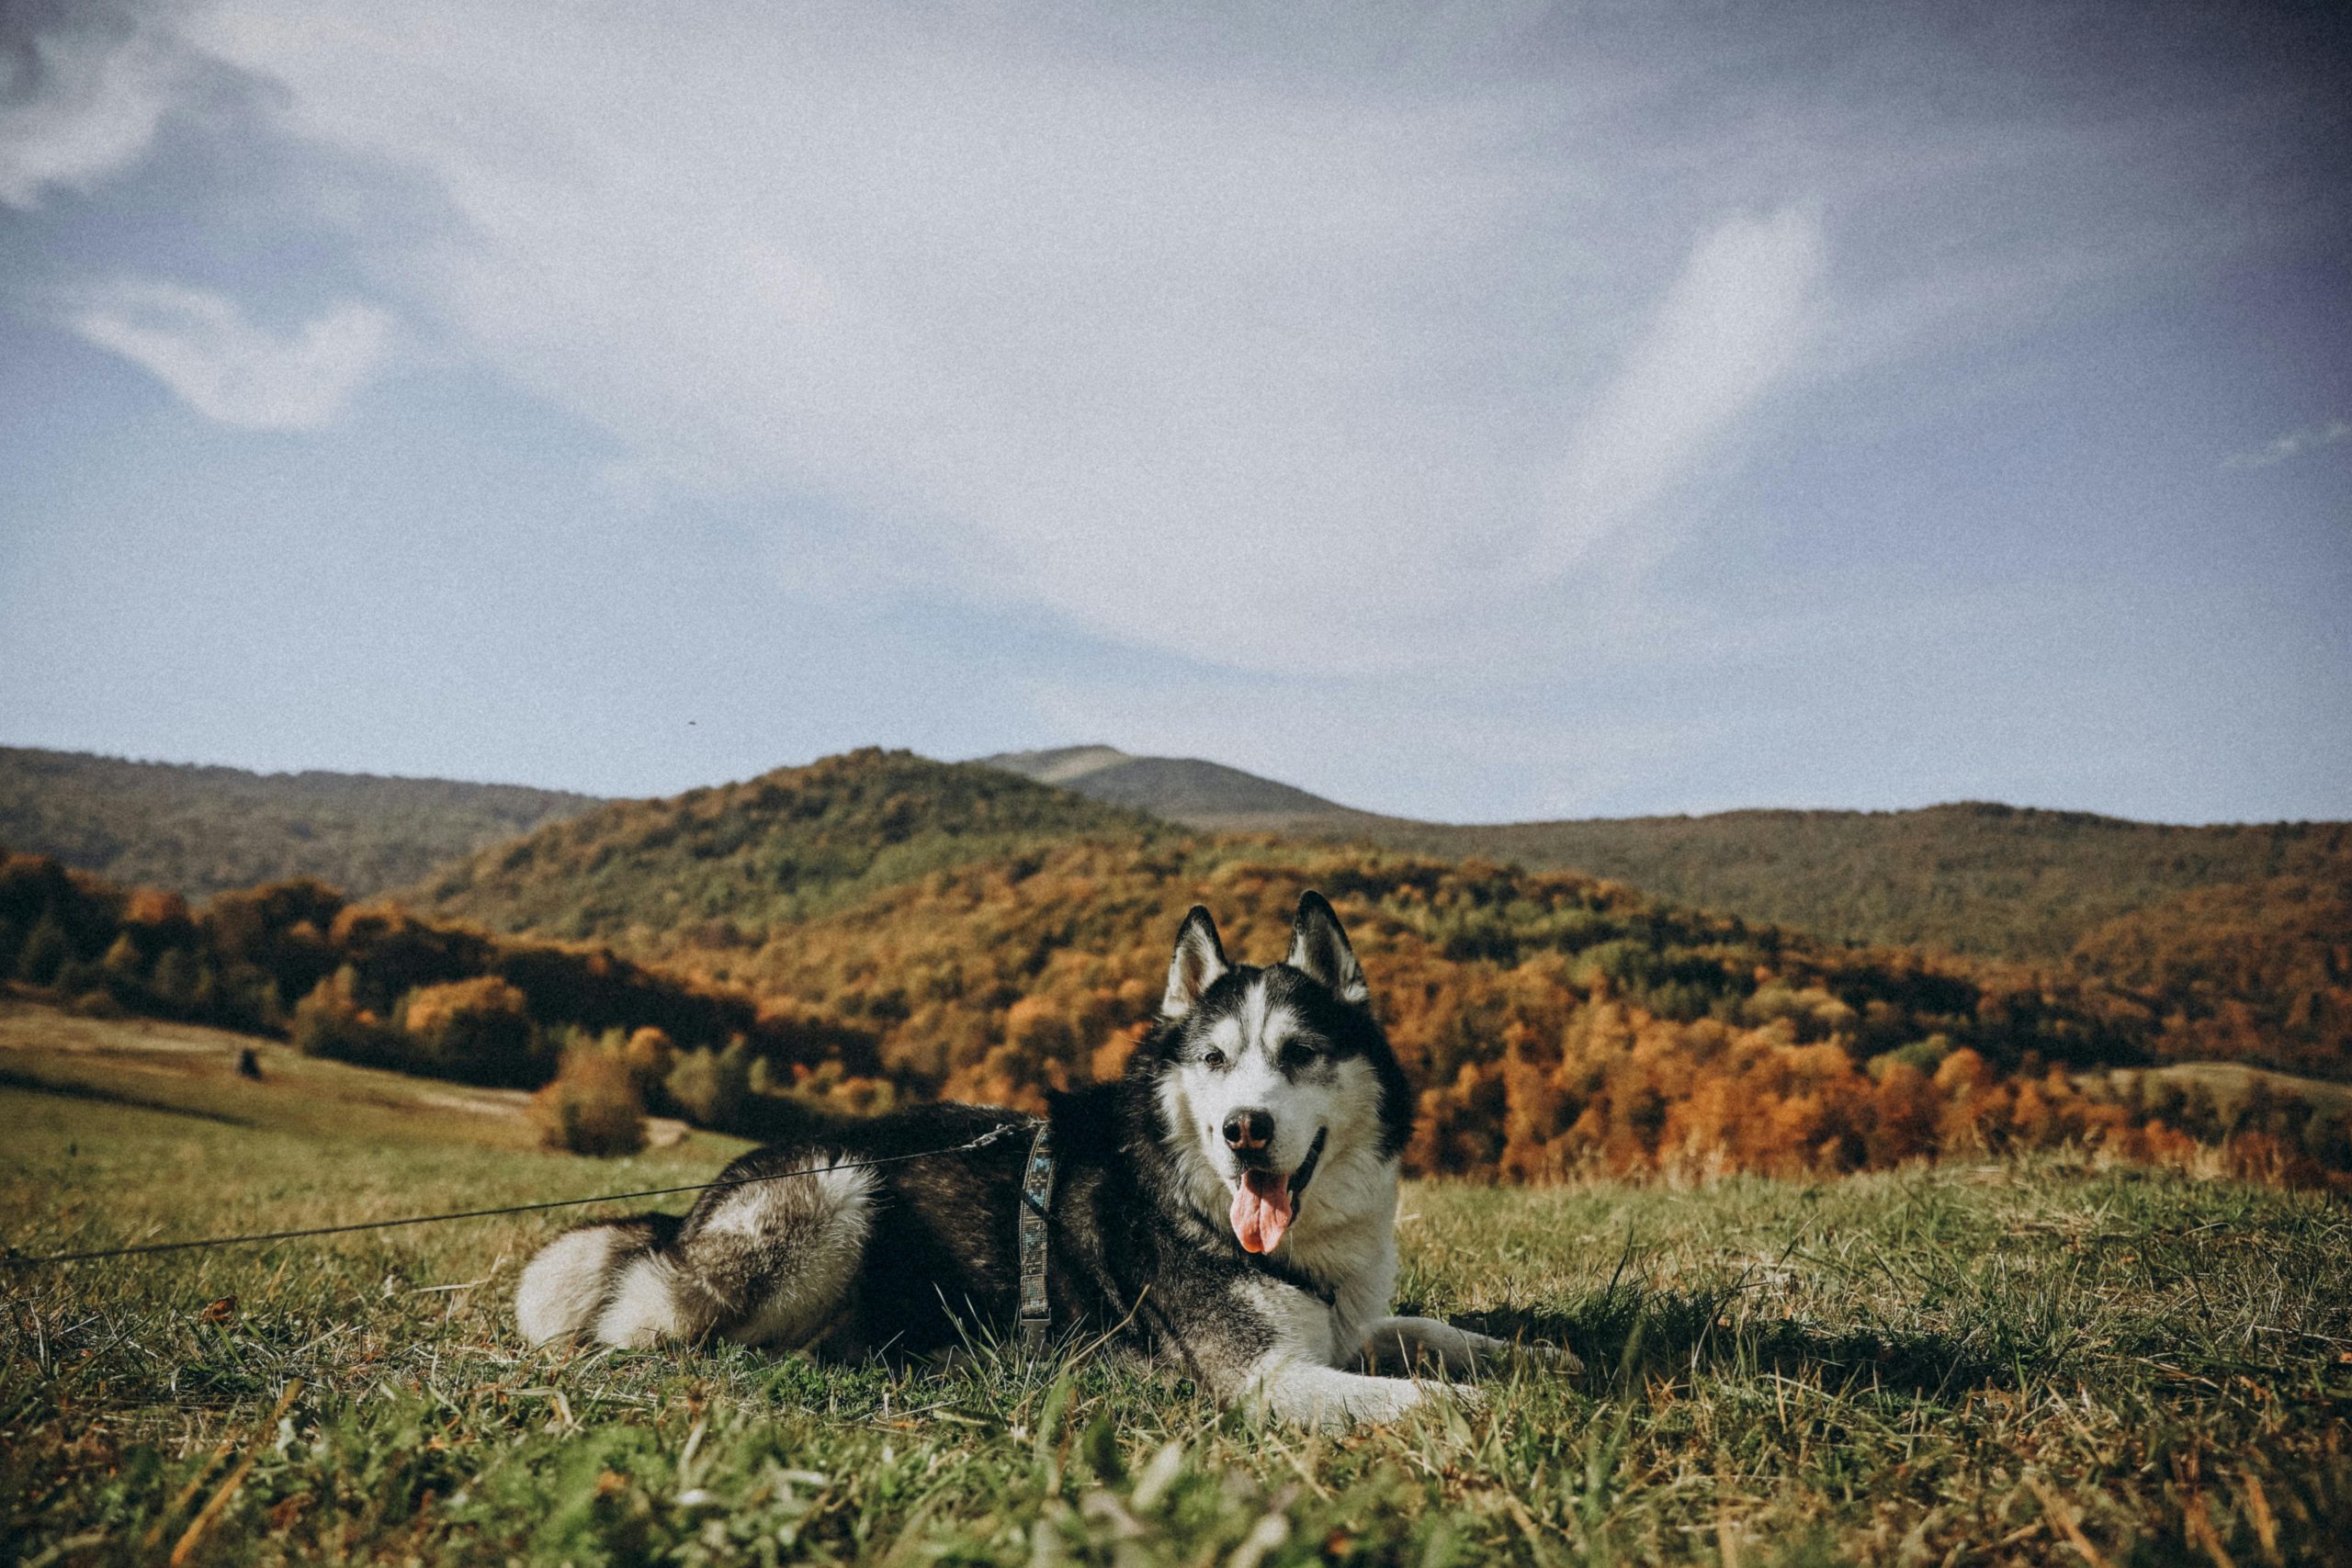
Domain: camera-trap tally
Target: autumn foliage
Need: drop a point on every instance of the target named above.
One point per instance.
(374, 985)
(837, 942)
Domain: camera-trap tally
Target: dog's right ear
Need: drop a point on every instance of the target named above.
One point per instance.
(1319, 949)
(1200, 959)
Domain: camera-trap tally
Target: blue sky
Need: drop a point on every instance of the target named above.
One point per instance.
(1504, 413)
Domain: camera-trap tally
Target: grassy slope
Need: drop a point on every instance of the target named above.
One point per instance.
(1884, 1369)
(200, 830)
(193, 1068)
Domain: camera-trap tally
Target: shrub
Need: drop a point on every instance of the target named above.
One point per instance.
(712, 1088)
(329, 1023)
(123, 958)
(591, 1106)
(477, 1031)
(177, 977)
(649, 1055)
(45, 952)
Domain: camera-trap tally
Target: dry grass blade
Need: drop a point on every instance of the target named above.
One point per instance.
(1740, 1410)
(211, 1510)
(2069, 1523)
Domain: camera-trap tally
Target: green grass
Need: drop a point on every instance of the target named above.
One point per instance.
(2014, 1363)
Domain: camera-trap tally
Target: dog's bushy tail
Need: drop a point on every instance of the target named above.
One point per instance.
(569, 1285)
(770, 1262)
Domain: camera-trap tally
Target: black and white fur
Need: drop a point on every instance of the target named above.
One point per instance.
(910, 1257)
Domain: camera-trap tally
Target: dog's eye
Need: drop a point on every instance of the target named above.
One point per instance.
(1213, 1058)
(1295, 1055)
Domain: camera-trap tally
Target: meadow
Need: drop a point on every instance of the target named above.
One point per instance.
(2022, 1361)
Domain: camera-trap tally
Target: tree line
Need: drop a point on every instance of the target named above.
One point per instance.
(1554, 1024)
(373, 984)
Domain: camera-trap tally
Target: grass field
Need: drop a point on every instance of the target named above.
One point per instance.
(2040, 1363)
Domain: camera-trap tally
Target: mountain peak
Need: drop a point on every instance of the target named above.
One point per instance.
(1059, 765)
(1189, 790)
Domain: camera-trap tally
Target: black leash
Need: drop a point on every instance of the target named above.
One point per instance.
(14, 1260)
(1037, 1203)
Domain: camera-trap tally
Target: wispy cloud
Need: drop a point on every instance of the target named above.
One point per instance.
(1043, 315)
(2293, 444)
(83, 84)
(1733, 324)
(1048, 325)
(201, 347)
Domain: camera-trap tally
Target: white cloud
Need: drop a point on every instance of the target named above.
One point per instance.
(1732, 326)
(83, 87)
(2293, 444)
(201, 345)
(1193, 357)
(1206, 345)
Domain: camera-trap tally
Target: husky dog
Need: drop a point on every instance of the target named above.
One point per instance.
(1226, 1209)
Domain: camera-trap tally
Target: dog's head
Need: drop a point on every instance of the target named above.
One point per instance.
(1267, 1077)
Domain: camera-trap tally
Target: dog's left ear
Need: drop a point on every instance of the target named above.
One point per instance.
(1319, 949)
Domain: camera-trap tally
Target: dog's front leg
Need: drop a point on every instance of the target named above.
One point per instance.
(1404, 1346)
(1286, 1365)
(1312, 1394)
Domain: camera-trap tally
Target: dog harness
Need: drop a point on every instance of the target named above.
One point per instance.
(1037, 1201)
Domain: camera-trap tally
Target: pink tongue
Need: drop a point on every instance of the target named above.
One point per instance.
(1262, 1211)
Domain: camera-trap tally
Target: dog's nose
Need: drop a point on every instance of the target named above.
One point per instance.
(1248, 1132)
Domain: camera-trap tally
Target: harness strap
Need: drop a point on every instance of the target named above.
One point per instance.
(1036, 1202)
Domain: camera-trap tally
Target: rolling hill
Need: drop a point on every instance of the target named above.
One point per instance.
(877, 927)
(729, 864)
(994, 938)
(1985, 880)
(1977, 878)
(201, 830)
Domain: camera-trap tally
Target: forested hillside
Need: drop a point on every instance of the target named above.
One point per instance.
(201, 830)
(1997, 881)
(2247, 971)
(1555, 1021)
(369, 983)
(719, 866)
(1993, 881)
(875, 927)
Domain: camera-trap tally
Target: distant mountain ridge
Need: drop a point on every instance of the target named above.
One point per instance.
(1980, 879)
(198, 829)
(1975, 878)
(1186, 790)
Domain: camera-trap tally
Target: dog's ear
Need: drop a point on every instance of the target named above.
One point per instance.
(1200, 959)
(1319, 949)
